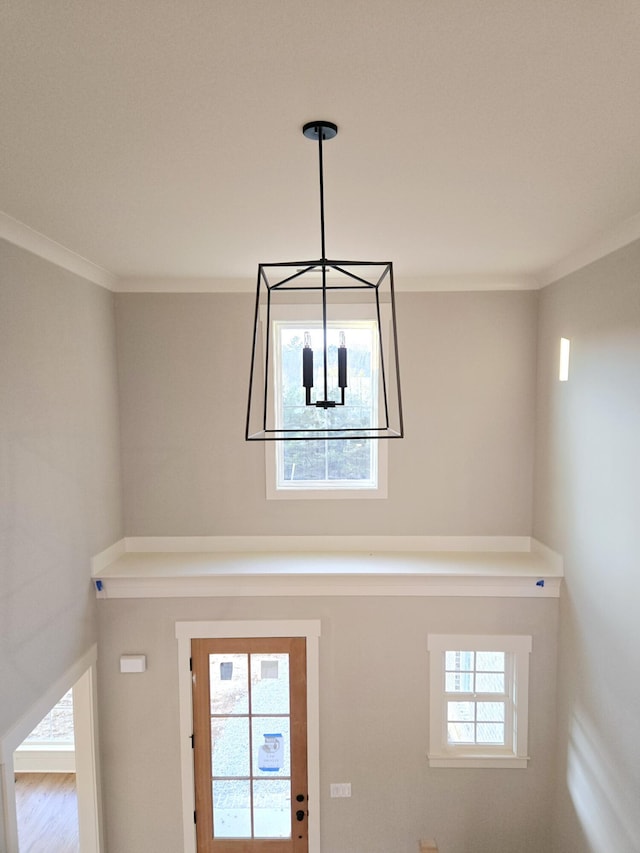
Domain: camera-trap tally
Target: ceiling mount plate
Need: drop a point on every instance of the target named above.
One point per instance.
(312, 130)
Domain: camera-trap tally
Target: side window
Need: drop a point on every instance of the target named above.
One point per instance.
(345, 467)
(479, 688)
(56, 727)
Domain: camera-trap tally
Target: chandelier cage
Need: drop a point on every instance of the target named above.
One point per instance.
(324, 363)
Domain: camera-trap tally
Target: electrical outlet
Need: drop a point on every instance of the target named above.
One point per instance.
(340, 789)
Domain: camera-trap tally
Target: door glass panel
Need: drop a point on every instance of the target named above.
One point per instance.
(271, 746)
(230, 746)
(228, 679)
(269, 684)
(250, 761)
(231, 808)
(272, 808)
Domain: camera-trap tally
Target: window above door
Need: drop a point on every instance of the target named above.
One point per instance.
(323, 468)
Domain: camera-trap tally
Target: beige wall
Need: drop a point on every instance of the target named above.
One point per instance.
(373, 724)
(465, 466)
(587, 505)
(59, 470)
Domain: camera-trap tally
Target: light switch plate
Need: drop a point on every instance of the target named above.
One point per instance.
(133, 663)
(340, 789)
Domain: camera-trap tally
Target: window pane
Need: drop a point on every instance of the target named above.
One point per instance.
(57, 725)
(271, 746)
(461, 711)
(269, 694)
(490, 682)
(303, 460)
(491, 712)
(272, 808)
(459, 661)
(229, 695)
(231, 809)
(230, 746)
(492, 733)
(459, 682)
(490, 661)
(461, 733)
(324, 462)
(350, 459)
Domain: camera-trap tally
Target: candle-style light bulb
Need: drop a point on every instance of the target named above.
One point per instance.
(342, 360)
(307, 362)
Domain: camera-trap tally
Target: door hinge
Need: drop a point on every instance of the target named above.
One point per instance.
(193, 738)
(194, 817)
(190, 664)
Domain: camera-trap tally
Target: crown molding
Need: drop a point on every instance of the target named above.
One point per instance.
(604, 244)
(402, 284)
(464, 283)
(19, 234)
(159, 284)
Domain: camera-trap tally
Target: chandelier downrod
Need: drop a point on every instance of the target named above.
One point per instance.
(321, 130)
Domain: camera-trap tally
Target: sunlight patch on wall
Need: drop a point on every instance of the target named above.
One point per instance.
(601, 800)
(565, 347)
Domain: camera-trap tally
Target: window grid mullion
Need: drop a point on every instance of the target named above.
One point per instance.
(250, 700)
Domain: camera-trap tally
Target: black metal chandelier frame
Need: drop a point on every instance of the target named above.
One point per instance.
(352, 278)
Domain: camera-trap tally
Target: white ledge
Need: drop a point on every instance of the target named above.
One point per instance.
(527, 569)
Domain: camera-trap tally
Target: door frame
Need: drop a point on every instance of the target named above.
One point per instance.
(82, 678)
(187, 631)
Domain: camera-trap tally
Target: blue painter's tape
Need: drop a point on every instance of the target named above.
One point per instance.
(99, 586)
(540, 583)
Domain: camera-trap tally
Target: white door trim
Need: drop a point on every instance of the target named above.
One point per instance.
(88, 789)
(185, 632)
(89, 799)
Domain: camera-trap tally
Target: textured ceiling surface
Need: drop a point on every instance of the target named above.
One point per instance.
(479, 139)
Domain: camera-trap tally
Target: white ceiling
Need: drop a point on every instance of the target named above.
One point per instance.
(480, 140)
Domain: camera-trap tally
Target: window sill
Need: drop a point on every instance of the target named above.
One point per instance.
(45, 758)
(483, 761)
(301, 493)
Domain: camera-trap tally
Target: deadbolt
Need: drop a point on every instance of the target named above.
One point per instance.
(300, 814)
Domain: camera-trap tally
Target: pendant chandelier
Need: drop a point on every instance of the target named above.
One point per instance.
(324, 363)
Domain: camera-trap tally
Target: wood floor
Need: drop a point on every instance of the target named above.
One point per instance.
(47, 812)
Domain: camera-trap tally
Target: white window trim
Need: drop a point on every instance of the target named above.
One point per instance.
(350, 492)
(185, 632)
(441, 753)
(301, 492)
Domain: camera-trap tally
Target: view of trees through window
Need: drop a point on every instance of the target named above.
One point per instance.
(57, 725)
(335, 462)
